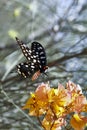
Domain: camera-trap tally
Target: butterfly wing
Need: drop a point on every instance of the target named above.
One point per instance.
(38, 50)
(26, 51)
(26, 69)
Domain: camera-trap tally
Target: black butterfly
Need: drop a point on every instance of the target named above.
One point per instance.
(36, 60)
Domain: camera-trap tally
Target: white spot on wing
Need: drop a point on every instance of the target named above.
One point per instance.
(28, 72)
(18, 66)
(28, 58)
(24, 51)
(24, 75)
(41, 52)
(43, 61)
(26, 66)
(34, 60)
(42, 57)
(40, 48)
(34, 56)
(31, 56)
(32, 66)
(25, 54)
(22, 63)
(19, 71)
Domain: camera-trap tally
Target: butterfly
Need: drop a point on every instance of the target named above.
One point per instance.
(36, 60)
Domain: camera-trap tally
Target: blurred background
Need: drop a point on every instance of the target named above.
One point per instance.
(61, 27)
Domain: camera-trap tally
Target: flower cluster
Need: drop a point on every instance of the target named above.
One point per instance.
(55, 104)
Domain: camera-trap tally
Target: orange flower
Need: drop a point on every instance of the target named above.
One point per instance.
(77, 104)
(55, 104)
(85, 107)
(41, 92)
(50, 122)
(58, 99)
(38, 103)
(78, 122)
(62, 97)
(78, 100)
(73, 88)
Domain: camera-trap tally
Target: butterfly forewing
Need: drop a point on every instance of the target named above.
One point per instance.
(26, 51)
(38, 50)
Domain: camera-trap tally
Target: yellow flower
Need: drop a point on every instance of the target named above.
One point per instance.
(38, 103)
(50, 122)
(55, 104)
(78, 122)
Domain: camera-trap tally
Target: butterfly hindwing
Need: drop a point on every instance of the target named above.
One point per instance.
(26, 69)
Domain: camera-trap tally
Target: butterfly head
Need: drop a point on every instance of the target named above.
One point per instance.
(45, 68)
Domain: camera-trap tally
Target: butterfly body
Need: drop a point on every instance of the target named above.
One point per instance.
(36, 60)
